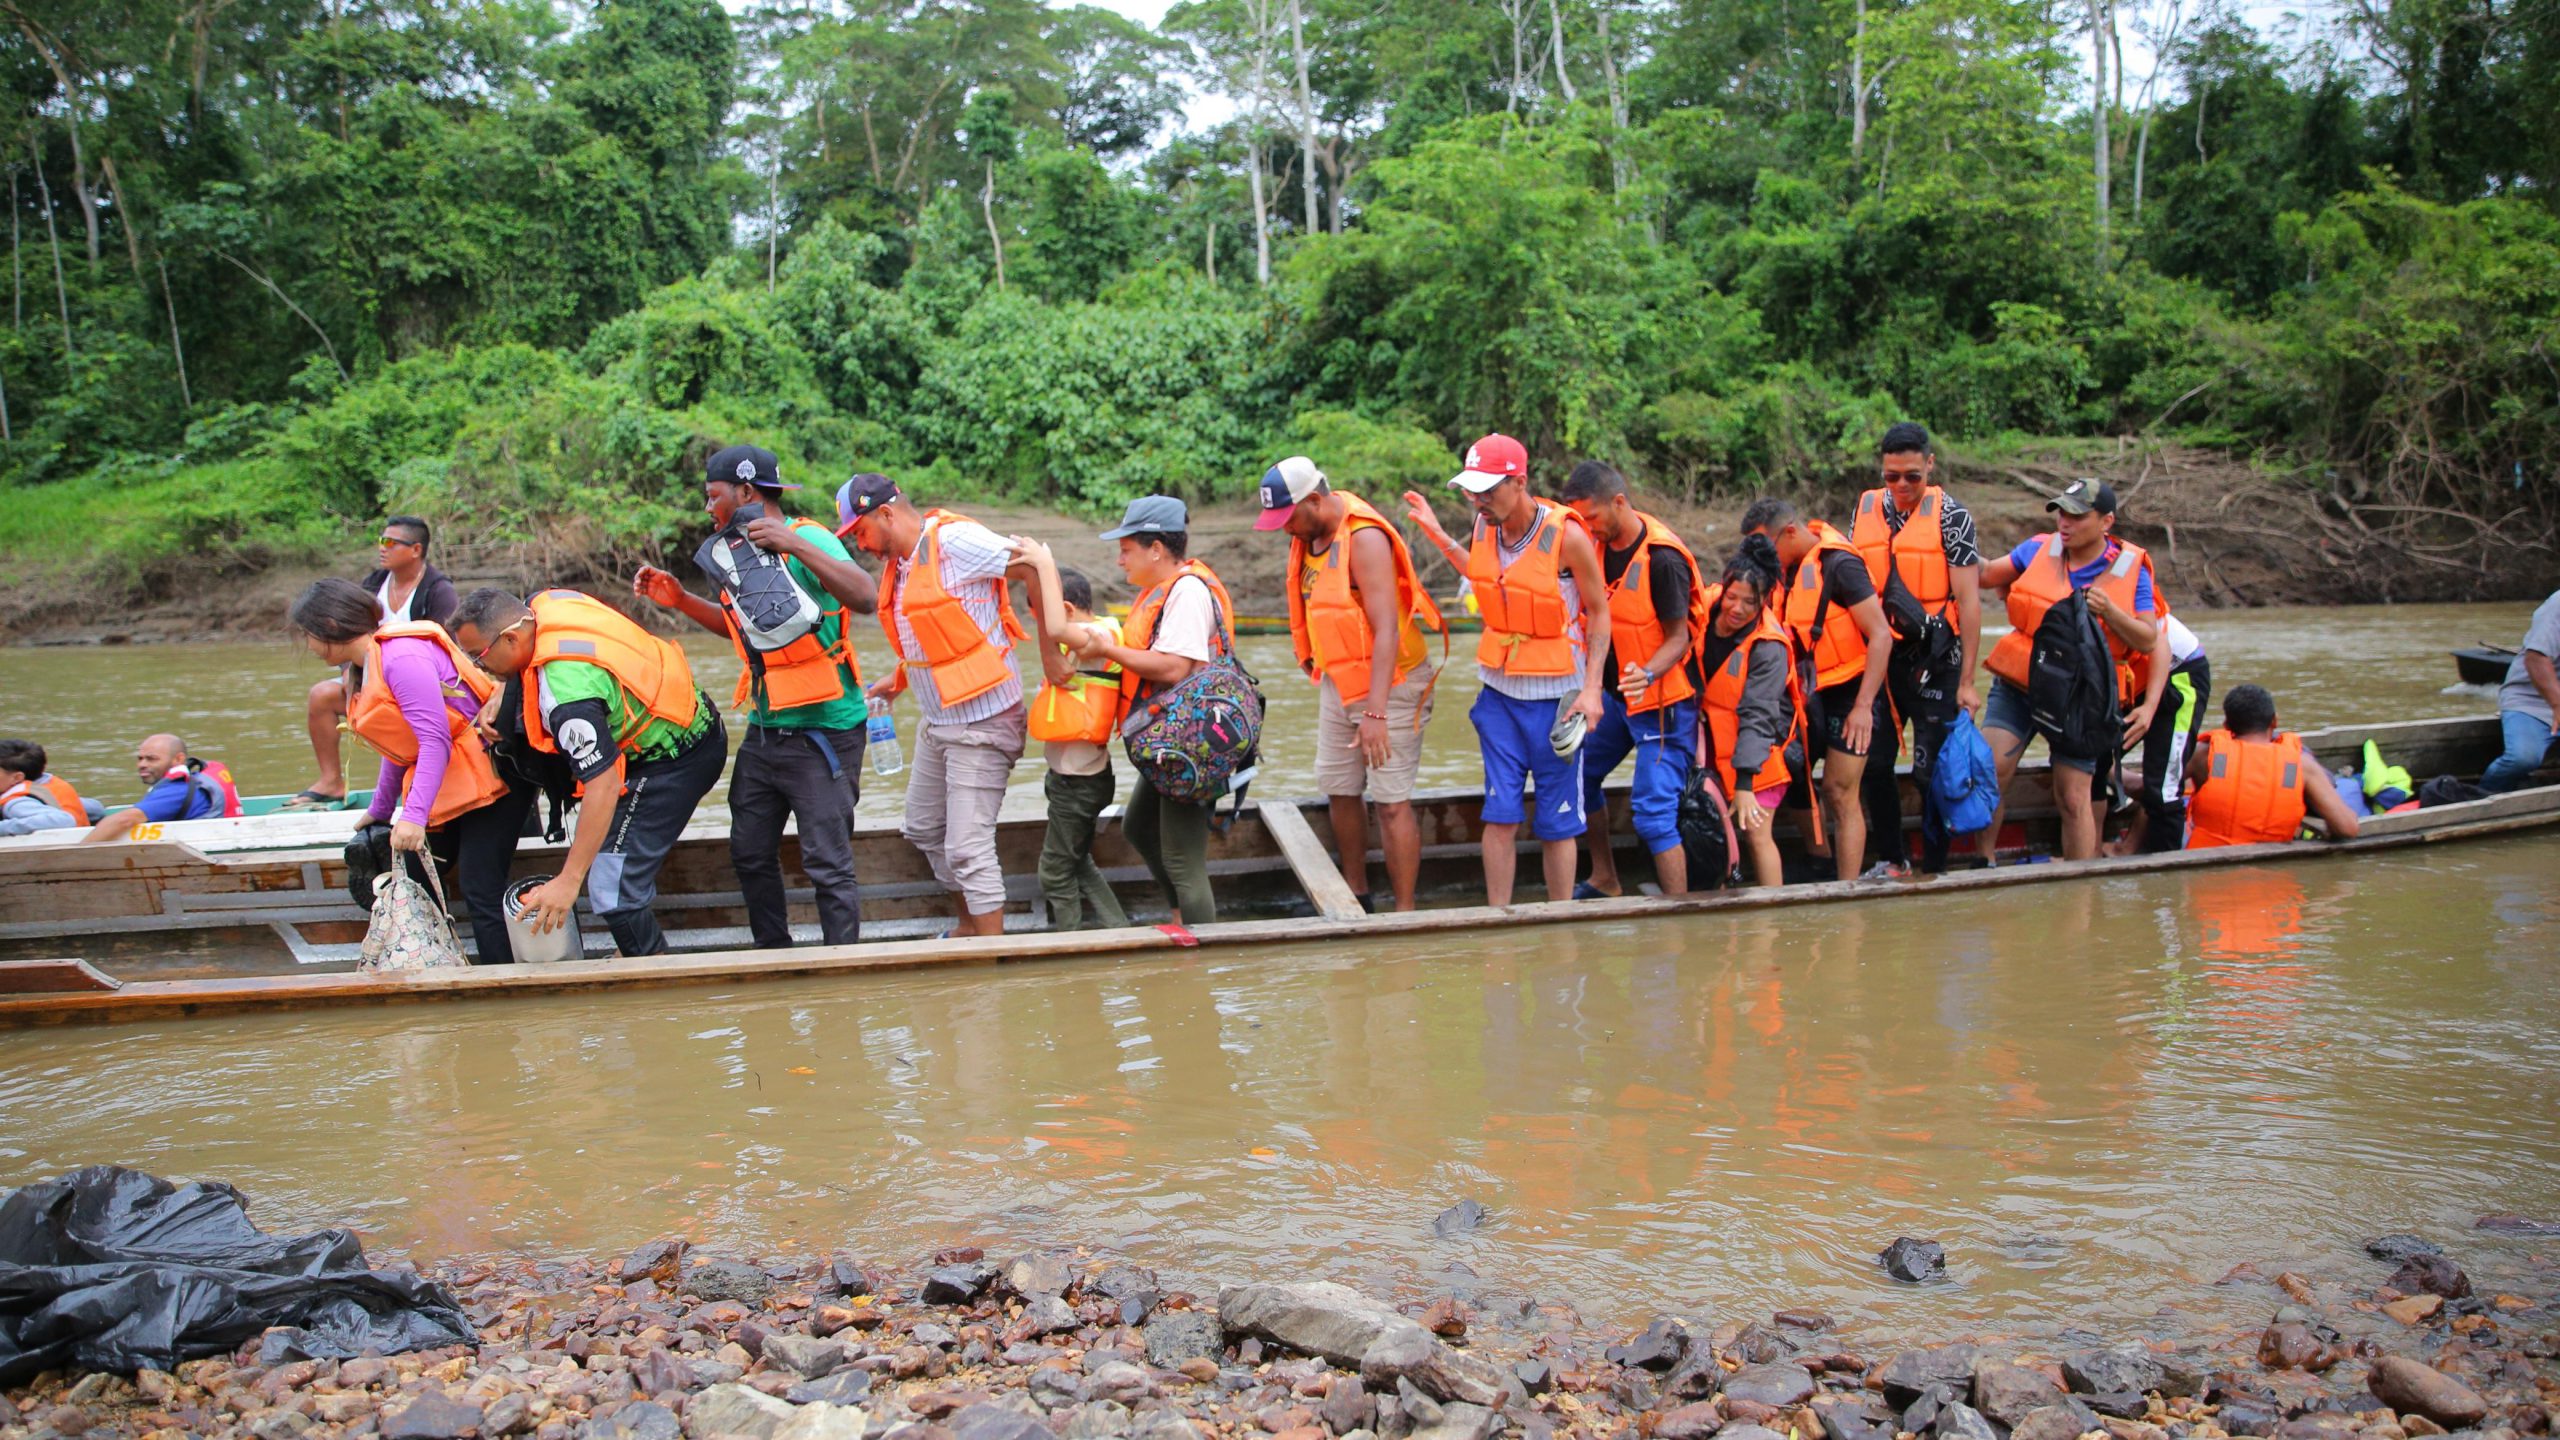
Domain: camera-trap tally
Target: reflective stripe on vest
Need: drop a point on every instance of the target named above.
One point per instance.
(957, 653)
(2045, 583)
(1526, 629)
(1840, 654)
(1140, 628)
(1916, 554)
(1638, 632)
(1331, 620)
(373, 713)
(2252, 792)
(655, 678)
(1721, 706)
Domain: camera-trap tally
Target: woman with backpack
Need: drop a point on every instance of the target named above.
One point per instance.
(1181, 621)
(417, 705)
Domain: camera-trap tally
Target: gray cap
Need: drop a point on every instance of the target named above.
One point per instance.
(1151, 515)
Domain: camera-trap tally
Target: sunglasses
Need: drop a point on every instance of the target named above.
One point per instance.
(480, 656)
(394, 542)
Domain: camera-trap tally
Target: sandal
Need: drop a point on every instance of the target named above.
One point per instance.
(314, 800)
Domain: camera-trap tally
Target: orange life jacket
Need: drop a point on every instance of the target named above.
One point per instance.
(1721, 706)
(54, 791)
(1527, 630)
(1916, 554)
(2248, 792)
(1638, 632)
(803, 672)
(1329, 620)
(470, 781)
(654, 675)
(963, 663)
(1840, 651)
(2045, 583)
(1139, 631)
(1086, 708)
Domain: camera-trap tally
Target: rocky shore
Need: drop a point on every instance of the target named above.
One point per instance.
(665, 1343)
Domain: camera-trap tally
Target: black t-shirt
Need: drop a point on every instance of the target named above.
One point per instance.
(1845, 583)
(1666, 577)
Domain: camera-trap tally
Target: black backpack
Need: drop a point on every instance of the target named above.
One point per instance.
(1706, 831)
(521, 765)
(2071, 681)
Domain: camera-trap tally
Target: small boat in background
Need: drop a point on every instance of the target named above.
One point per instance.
(2483, 664)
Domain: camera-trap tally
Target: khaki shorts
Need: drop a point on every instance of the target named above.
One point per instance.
(1340, 767)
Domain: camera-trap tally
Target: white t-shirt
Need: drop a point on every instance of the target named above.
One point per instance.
(382, 598)
(1188, 622)
(2183, 644)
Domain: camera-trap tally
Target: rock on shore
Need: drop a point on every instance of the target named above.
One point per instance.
(665, 1345)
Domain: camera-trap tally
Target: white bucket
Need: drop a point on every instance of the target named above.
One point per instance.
(531, 949)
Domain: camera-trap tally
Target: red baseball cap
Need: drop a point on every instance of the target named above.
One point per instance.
(1490, 461)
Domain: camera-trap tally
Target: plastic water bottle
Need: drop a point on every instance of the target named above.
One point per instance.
(886, 758)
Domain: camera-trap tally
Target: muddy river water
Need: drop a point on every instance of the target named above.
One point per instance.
(2099, 1095)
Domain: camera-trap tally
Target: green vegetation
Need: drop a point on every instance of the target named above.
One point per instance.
(280, 266)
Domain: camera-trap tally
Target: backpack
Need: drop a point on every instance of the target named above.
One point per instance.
(1193, 739)
(1706, 831)
(1964, 782)
(2071, 681)
(756, 588)
(518, 763)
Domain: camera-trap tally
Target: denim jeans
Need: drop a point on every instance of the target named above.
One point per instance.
(2529, 742)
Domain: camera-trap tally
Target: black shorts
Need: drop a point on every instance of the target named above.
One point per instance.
(1838, 700)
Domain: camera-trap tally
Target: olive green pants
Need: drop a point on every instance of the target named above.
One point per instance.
(1173, 838)
(1069, 880)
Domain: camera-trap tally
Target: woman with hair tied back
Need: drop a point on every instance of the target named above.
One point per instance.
(419, 698)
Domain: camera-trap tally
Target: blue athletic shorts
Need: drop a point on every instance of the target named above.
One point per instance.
(1512, 737)
(1661, 741)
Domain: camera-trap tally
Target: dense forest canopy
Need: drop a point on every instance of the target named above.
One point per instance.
(280, 265)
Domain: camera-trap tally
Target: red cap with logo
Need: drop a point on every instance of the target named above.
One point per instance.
(1490, 461)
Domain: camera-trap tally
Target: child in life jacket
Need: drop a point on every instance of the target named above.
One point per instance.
(1074, 717)
(31, 799)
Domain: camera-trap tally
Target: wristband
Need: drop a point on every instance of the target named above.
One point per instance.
(1373, 715)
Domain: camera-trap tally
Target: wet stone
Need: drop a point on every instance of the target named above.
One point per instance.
(1459, 1219)
(1922, 1413)
(2180, 1376)
(1776, 1386)
(844, 1277)
(2289, 1345)
(1913, 1261)
(991, 1421)
(1750, 1432)
(1757, 1345)
(2055, 1422)
(2122, 1404)
(956, 1284)
(1959, 1421)
(657, 1260)
(1119, 1381)
(2393, 1248)
(1045, 1315)
(507, 1415)
(1178, 1335)
(1658, 1348)
(1689, 1422)
(1129, 1285)
(1163, 1425)
(1101, 1420)
(1028, 1276)
(2432, 1274)
(2098, 1372)
(2247, 1417)
(2407, 1385)
(806, 1358)
(1347, 1406)
(1908, 1374)
(2009, 1393)
(727, 1280)
(1537, 1377)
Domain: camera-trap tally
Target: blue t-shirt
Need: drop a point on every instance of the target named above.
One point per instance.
(181, 799)
(2083, 576)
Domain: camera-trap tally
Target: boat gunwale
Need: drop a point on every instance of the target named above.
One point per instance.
(144, 1000)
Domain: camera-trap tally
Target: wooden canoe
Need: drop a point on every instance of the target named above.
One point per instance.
(167, 929)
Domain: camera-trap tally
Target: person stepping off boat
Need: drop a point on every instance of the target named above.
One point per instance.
(1843, 644)
(1751, 707)
(787, 591)
(1535, 574)
(620, 705)
(1657, 615)
(1350, 580)
(949, 617)
(417, 704)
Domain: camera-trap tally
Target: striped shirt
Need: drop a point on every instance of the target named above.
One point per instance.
(1540, 687)
(973, 564)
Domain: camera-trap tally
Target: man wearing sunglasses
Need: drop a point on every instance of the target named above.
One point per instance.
(408, 588)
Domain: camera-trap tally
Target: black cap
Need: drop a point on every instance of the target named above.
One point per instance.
(747, 465)
(2082, 496)
(862, 495)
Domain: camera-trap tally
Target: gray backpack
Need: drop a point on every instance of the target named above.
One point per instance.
(756, 588)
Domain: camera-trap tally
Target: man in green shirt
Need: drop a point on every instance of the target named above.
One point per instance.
(787, 591)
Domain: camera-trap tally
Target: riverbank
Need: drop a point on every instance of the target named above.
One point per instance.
(2226, 533)
(664, 1342)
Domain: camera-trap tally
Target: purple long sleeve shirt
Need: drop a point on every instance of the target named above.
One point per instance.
(423, 683)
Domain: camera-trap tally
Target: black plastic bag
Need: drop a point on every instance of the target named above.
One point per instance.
(112, 1269)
